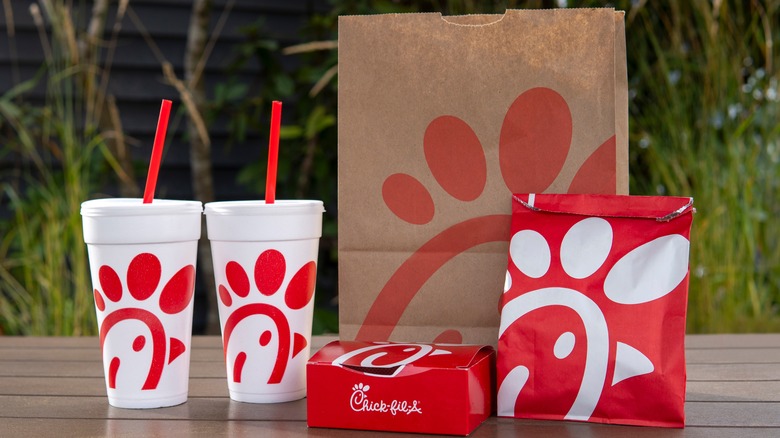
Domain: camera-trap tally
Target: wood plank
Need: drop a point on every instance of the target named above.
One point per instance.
(7, 342)
(747, 414)
(133, 52)
(206, 408)
(733, 391)
(508, 427)
(155, 428)
(733, 341)
(69, 386)
(493, 427)
(733, 372)
(733, 355)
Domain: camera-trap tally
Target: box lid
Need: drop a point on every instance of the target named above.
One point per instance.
(395, 358)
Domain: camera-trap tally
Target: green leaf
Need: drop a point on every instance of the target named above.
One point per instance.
(290, 132)
(318, 121)
(236, 91)
(267, 45)
(22, 87)
(9, 110)
(251, 174)
(325, 321)
(284, 85)
(239, 126)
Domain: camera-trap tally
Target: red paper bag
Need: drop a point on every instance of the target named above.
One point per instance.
(593, 311)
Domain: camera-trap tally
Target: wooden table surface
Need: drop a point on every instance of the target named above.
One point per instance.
(55, 387)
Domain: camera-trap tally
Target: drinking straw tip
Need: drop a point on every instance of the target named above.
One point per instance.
(157, 148)
(273, 152)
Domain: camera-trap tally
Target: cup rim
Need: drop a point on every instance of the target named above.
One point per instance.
(259, 207)
(109, 207)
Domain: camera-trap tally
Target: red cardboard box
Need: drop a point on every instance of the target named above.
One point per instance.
(424, 388)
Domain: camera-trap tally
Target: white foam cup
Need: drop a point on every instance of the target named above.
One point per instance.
(265, 267)
(142, 261)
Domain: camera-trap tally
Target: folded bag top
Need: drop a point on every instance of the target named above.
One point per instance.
(660, 208)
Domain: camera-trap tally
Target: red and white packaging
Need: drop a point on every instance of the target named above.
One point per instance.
(423, 388)
(142, 260)
(593, 311)
(265, 268)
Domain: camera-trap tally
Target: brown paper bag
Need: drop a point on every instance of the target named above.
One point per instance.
(441, 119)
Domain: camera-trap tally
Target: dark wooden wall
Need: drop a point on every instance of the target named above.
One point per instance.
(138, 84)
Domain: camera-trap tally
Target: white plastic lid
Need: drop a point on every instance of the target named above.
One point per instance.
(256, 221)
(136, 207)
(130, 221)
(260, 208)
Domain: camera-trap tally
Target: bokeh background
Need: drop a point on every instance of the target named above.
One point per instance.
(80, 90)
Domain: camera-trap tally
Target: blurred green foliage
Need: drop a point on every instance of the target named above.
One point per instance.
(44, 275)
(704, 122)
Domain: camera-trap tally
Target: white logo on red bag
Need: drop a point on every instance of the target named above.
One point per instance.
(360, 402)
(643, 274)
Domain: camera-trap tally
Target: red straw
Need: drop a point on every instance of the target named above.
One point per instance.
(273, 152)
(157, 149)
